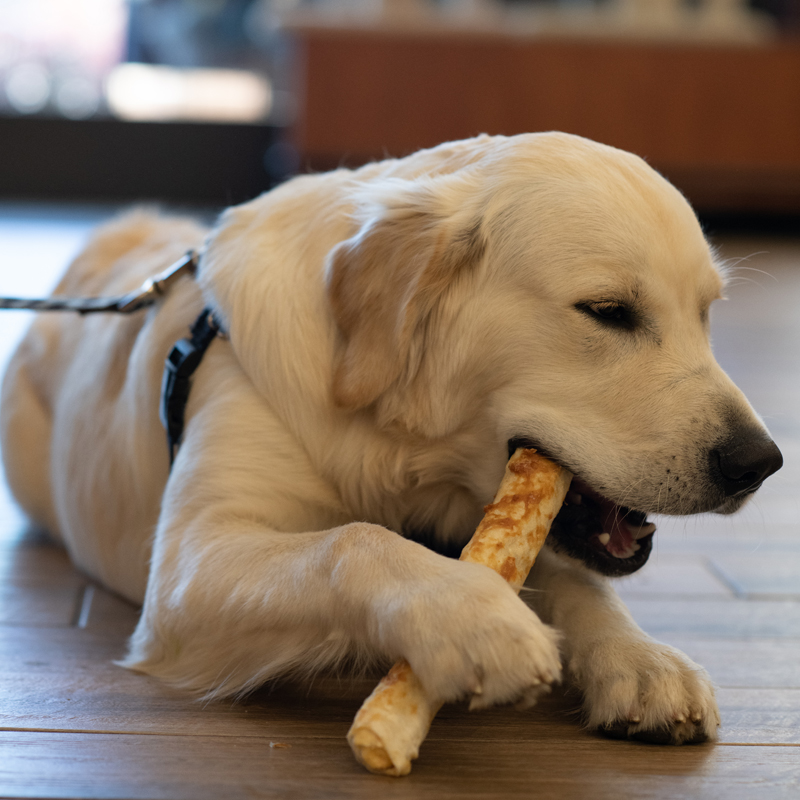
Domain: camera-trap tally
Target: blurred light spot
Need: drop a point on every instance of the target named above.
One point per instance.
(28, 87)
(77, 97)
(144, 92)
(9, 51)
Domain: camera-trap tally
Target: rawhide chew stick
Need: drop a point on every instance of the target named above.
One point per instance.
(394, 720)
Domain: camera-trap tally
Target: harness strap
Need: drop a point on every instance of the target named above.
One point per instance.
(183, 360)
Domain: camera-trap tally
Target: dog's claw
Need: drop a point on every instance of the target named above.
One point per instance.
(531, 697)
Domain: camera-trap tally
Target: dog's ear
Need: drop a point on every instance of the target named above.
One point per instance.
(384, 282)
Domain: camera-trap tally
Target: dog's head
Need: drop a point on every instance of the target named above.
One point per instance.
(556, 292)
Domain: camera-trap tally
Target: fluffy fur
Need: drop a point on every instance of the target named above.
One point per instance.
(390, 329)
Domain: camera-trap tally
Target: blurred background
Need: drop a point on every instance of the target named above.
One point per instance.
(208, 102)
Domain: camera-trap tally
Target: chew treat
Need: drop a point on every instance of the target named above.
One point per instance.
(515, 525)
(393, 721)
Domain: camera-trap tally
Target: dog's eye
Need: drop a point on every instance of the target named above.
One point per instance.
(608, 312)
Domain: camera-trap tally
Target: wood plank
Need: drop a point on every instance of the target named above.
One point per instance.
(65, 680)
(103, 611)
(717, 618)
(761, 575)
(672, 575)
(37, 562)
(51, 765)
(38, 585)
(41, 606)
(708, 536)
(765, 663)
(759, 716)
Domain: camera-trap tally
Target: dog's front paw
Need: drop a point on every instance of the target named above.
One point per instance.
(475, 638)
(647, 691)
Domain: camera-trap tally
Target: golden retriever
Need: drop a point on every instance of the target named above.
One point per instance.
(389, 331)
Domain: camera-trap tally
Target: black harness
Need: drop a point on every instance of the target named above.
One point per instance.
(183, 359)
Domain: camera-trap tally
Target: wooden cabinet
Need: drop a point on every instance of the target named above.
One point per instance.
(722, 122)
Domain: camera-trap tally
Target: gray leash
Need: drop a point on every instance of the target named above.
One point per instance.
(147, 294)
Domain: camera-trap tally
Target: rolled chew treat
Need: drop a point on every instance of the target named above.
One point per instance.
(394, 720)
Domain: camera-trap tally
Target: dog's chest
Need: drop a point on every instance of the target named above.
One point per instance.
(440, 516)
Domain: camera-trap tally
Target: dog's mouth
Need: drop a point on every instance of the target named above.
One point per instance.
(611, 539)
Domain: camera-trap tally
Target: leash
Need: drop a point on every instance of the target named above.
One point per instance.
(147, 294)
(183, 359)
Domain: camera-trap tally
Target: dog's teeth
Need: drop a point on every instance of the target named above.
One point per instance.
(639, 532)
(604, 538)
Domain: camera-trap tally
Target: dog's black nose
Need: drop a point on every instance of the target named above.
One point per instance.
(745, 461)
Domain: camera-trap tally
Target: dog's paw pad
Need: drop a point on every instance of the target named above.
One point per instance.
(677, 733)
(615, 730)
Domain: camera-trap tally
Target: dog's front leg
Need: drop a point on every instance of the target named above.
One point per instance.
(232, 603)
(632, 685)
(257, 571)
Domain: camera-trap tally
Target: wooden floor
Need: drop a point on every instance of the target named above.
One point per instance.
(726, 590)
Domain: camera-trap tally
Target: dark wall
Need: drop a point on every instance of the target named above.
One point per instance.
(44, 158)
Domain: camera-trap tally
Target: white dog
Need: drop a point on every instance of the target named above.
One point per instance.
(390, 330)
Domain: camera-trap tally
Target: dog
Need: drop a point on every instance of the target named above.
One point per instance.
(388, 332)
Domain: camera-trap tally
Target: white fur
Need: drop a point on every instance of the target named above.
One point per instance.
(371, 381)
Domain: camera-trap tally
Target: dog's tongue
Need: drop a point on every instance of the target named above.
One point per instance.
(621, 542)
(619, 537)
